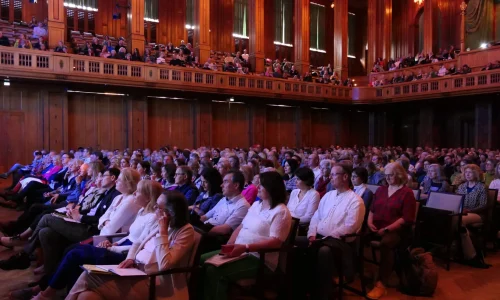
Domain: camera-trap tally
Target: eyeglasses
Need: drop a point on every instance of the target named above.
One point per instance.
(336, 174)
(179, 174)
(104, 175)
(389, 175)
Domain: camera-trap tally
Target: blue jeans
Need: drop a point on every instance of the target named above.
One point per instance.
(69, 269)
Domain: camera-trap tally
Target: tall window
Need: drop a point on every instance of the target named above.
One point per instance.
(90, 5)
(240, 18)
(351, 34)
(151, 11)
(150, 20)
(189, 14)
(11, 10)
(284, 22)
(317, 26)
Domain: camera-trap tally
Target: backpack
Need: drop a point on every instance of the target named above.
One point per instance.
(418, 274)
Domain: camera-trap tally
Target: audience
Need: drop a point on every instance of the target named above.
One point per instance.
(240, 205)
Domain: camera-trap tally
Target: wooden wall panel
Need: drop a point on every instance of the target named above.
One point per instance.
(57, 112)
(230, 124)
(322, 128)
(280, 127)
(97, 121)
(258, 124)
(203, 123)
(170, 122)
(221, 25)
(172, 16)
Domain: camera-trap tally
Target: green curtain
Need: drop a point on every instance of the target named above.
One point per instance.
(317, 26)
(283, 21)
(151, 9)
(86, 3)
(241, 17)
(478, 23)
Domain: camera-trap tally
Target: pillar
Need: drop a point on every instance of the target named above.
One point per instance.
(221, 25)
(57, 22)
(387, 34)
(463, 7)
(256, 13)
(302, 35)
(172, 26)
(202, 29)
(483, 125)
(340, 38)
(372, 35)
(135, 26)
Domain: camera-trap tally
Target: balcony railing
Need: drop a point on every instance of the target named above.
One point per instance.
(21, 63)
(61, 66)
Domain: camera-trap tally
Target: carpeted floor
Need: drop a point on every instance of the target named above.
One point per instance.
(460, 283)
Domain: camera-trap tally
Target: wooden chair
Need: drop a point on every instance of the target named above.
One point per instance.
(485, 230)
(372, 187)
(192, 271)
(264, 286)
(439, 220)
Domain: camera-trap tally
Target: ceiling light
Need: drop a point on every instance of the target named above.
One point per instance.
(231, 99)
(419, 2)
(6, 82)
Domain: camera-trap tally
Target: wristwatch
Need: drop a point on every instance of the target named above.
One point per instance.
(247, 248)
(386, 230)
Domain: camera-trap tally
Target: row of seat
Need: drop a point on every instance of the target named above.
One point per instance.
(12, 31)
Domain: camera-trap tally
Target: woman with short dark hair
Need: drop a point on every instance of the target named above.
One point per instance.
(211, 181)
(266, 226)
(304, 200)
(359, 177)
(170, 246)
(291, 166)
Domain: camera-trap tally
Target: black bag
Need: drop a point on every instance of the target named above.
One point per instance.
(418, 274)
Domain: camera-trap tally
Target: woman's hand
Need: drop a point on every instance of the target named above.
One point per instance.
(381, 232)
(237, 250)
(104, 244)
(164, 223)
(372, 227)
(126, 264)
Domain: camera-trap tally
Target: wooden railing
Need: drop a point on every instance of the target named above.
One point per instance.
(32, 64)
(76, 68)
(472, 83)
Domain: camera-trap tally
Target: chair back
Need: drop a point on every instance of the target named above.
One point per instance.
(446, 201)
(372, 187)
(283, 261)
(416, 193)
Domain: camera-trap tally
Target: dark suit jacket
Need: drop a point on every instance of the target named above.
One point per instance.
(104, 203)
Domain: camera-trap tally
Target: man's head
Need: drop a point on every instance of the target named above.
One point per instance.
(96, 156)
(233, 183)
(205, 156)
(109, 177)
(313, 161)
(340, 176)
(183, 175)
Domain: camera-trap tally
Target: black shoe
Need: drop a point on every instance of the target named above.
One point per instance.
(478, 262)
(19, 261)
(4, 176)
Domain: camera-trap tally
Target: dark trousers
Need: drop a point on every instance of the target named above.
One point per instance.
(69, 269)
(31, 216)
(322, 260)
(390, 243)
(54, 234)
(33, 193)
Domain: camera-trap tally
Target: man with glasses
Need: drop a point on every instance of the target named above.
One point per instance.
(205, 156)
(228, 213)
(183, 180)
(340, 212)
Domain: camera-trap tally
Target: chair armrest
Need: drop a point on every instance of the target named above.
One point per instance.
(174, 271)
(274, 250)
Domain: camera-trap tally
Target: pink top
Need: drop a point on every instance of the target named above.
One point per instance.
(250, 193)
(51, 172)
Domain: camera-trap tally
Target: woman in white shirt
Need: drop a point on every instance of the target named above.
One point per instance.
(304, 200)
(495, 184)
(106, 252)
(169, 246)
(266, 225)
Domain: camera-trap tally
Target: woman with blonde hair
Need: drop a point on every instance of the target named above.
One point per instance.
(393, 209)
(105, 252)
(474, 209)
(434, 181)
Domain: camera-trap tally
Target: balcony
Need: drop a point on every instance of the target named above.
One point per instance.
(51, 66)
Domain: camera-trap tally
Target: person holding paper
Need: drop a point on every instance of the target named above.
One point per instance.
(266, 226)
(168, 247)
(68, 271)
(227, 214)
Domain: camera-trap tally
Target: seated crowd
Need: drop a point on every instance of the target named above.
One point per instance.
(245, 200)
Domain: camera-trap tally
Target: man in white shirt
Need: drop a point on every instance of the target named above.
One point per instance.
(228, 213)
(313, 162)
(340, 212)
